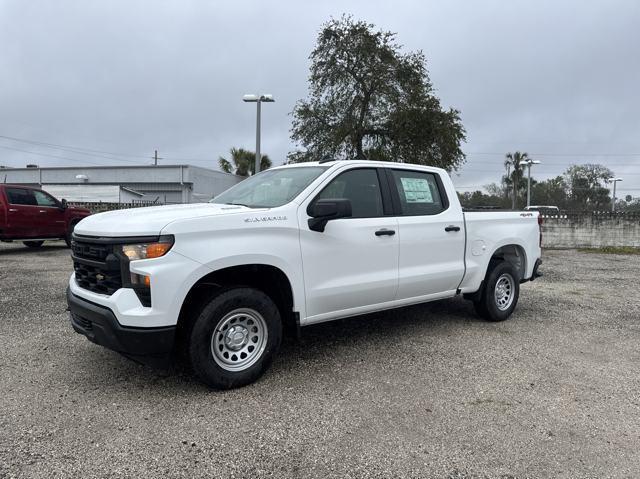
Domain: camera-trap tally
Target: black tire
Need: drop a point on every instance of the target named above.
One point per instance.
(234, 316)
(33, 244)
(489, 306)
(67, 238)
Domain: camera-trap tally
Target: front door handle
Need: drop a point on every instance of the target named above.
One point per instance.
(385, 232)
(452, 228)
(12, 210)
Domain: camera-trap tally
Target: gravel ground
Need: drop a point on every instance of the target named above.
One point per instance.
(426, 391)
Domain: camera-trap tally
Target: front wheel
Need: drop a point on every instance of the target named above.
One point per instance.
(33, 244)
(234, 339)
(500, 294)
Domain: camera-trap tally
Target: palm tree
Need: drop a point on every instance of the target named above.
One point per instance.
(243, 162)
(517, 161)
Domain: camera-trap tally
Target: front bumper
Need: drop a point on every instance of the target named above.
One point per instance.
(151, 346)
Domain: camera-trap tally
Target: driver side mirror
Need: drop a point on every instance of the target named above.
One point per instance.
(322, 211)
(63, 204)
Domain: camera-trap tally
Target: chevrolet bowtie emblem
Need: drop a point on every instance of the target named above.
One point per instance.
(99, 277)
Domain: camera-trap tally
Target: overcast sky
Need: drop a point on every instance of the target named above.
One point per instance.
(558, 79)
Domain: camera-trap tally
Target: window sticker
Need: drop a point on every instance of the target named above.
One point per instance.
(416, 190)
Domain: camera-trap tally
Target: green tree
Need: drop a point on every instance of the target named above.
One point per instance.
(588, 186)
(369, 100)
(630, 205)
(515, 164)
(551, 192)
(243, 162)
(478, 199)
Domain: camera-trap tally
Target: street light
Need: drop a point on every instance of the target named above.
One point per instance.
(258, 99)
(529, 163)
(614, 181)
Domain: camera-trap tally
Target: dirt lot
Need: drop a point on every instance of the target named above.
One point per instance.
(426, 391)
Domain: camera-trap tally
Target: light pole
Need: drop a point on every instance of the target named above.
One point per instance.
(614, 181)
(258, 100)
(508, 165)
(529, 163)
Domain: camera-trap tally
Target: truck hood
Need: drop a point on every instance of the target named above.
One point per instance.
(149, 221)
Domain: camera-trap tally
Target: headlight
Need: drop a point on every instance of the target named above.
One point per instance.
(148, 250)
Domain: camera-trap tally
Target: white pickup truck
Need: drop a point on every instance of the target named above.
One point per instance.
(289, 247)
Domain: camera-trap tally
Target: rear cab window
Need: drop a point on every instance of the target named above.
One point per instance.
(419, 192)
(21, 196)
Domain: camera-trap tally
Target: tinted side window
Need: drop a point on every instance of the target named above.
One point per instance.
(44, 199)
(361, 187)
(419, 193)
(19, 196)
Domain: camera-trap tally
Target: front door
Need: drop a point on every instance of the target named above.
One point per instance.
(51, 217)
(353, 265)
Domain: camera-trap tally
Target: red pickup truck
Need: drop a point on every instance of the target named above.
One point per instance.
(33, 216)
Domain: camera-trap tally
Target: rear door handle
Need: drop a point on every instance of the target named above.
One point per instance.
(12, 210)
(452, 228)
(385, 232)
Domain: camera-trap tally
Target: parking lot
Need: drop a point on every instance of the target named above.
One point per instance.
(426, 391)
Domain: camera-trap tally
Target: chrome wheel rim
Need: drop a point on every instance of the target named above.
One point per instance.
(239, 339)
(504, 292)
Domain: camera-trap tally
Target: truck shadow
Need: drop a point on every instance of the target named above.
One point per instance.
(434, 318)
(319, 349)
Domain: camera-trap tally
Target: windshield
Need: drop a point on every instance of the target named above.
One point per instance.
(270, 188)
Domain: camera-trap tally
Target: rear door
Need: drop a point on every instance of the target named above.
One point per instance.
(22, 213)
(353, 265)
(51, 217)
(431, 232)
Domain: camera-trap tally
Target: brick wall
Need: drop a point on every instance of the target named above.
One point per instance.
(591, 230)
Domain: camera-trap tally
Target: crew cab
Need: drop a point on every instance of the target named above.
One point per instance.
(289, 247)
(34, 216)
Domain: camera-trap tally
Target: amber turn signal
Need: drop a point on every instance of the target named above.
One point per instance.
(155, 250)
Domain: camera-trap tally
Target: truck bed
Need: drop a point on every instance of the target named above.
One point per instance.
(489, 230)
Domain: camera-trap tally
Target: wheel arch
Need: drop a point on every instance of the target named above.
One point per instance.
(270, 279)
(513, 253)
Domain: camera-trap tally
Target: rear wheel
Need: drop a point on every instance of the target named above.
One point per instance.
(500, 294)
(33, 244)
(234, 338)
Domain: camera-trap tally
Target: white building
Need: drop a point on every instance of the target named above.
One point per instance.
(160, 184)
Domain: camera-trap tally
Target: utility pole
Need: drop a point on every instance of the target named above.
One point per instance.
(156, 158)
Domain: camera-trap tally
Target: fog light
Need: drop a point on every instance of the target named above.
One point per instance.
(140, 280)
(141, 284)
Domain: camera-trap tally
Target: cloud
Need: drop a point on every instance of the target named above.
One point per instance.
(550, 78)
